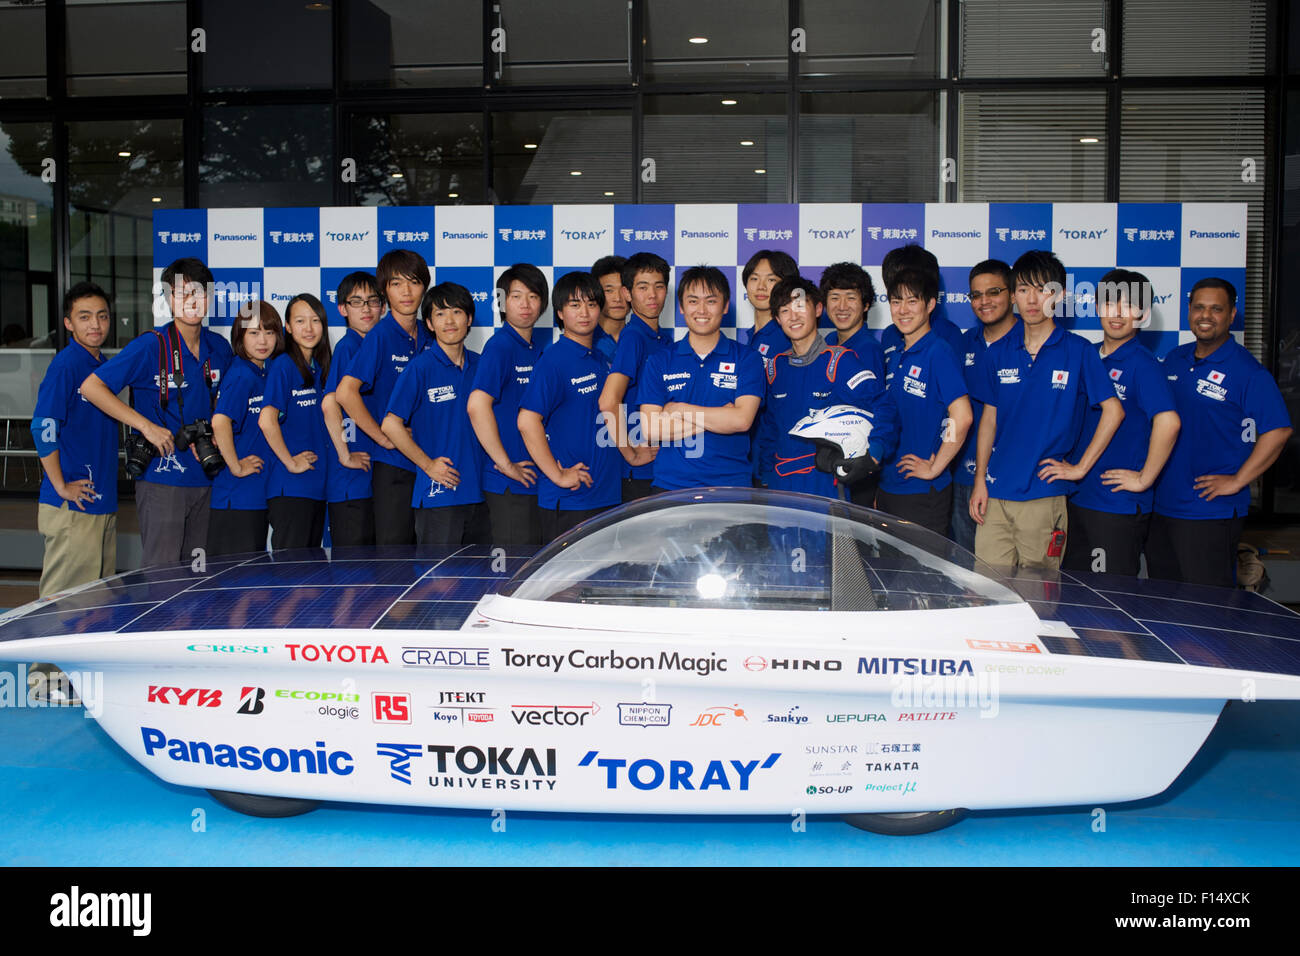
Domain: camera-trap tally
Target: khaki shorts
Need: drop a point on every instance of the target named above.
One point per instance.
(1015, 534)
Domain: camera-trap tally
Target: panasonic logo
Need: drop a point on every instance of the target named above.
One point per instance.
(1197, 234)
(688, 234)
(464, 235)
(245, 237)
(948, 234)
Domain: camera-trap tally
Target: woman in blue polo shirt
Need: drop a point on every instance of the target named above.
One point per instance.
(933, 410)
(431, 398)
(294, 427)
(238, 521)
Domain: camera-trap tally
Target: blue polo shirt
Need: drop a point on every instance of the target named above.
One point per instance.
(604, 343)
(768, 342)
(891, 340)
(1225, 400)
(84, 437)
(343, 483)
(835, 377)
(925, 380)
(503, 372)
(137, 366)
(565, 391)
(864, 344)
(240, 399)
(1140, 384)
(971, 357)
(637, 343)
(1040, 407)
(432, 398)
(301, 425)
(725, 374)
(385, 353)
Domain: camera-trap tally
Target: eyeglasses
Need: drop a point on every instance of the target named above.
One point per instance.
(986, 294)
(357, 302)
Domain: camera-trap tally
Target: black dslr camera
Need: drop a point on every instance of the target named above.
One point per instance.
(140, 451)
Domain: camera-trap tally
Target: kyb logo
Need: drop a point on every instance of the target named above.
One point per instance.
(390, 708)
(196, 696)
(76, 909)
(718, 716)
(553, 715)
(342, 653)
(648, 774)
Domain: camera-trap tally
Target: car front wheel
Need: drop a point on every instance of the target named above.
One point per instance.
(905, 824)
(256, 805)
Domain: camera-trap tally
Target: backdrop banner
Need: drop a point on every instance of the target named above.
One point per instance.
(277, 253)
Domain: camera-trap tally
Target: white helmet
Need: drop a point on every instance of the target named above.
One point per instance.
(841, 434)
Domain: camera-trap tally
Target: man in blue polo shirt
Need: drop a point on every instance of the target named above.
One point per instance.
(762, 272)
(560, 419)
(699, 398)
(1111, 507)
(348, 492)
(915, 257)
(608, 271)
(364, 391)
(1038, 382)
(811, 375)
(510, 481)
(990, 300)
(849, 294)
(77, 444)
(1237, 425)
(430, 397)
(173, 495)
(933, 411)
(645, 280)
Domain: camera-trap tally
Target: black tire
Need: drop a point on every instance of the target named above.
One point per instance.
(905, 824)
(256, 805)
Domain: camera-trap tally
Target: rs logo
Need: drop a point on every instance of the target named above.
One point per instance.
(174, 695)
(391, 708)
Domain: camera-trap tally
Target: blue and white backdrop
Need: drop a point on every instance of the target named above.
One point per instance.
(276, 253)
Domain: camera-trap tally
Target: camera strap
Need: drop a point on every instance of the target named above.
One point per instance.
(171, 367)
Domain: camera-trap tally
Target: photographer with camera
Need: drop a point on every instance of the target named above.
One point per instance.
(173, 373)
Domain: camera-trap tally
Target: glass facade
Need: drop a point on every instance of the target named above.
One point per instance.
(110, 109)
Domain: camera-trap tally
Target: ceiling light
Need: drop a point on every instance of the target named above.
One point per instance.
(760, 171)
(530, 145)
(453, 195)
(575, 172)
(124, 153)
(728, 102)
(608, 193)
(399, 175)
(1089, 139)
(698, 40)
(746, 142)
(156, 199)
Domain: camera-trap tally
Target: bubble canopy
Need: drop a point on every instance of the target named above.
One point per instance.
(756, 549)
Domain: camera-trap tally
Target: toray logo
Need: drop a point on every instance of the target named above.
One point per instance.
(1082, 233)
(648, 774)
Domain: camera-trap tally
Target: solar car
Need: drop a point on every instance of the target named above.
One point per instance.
(720, 651)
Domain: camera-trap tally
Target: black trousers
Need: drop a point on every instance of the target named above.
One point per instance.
(236, 531)
(451, 526)
(556, 523)
(635, 488)
(515, 519)
(352, 523)
(295, 522)
(929, 509)
(1194, 551)
(865, 491)
(392, 488)
(1104, 542)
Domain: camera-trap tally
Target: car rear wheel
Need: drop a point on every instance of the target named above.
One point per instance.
(905, 824)
(256, 805)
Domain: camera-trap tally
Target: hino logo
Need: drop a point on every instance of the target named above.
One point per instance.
(791, 664)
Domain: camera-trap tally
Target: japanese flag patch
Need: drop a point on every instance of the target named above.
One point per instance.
(1216, 377)
(1060, 377)
(726, 366)
(1115, 374)
(914, 372)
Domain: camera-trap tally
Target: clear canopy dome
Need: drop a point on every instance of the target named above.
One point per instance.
(756, 549)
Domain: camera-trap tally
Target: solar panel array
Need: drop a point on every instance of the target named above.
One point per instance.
(406, 588)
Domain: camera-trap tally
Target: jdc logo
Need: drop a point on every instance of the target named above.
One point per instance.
(717, 716)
